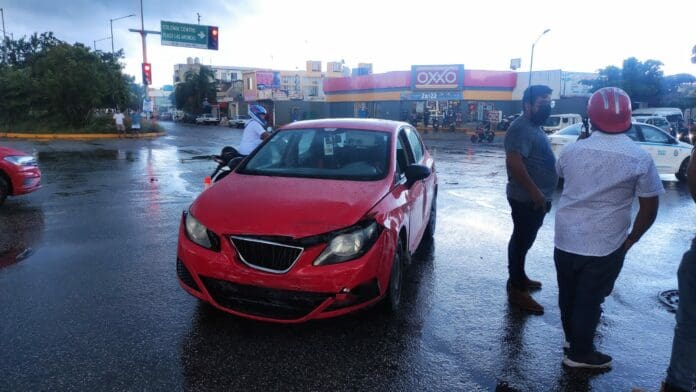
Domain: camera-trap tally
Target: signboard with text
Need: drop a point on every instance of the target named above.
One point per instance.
(187, 35)
(437, 77)
(432, 96)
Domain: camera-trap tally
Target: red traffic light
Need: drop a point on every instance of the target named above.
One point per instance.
(147, 74)
(213, 37)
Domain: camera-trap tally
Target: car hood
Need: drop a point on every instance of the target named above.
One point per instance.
(6, 151)
(285, 206)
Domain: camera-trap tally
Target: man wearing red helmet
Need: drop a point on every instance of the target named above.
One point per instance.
(603, 175)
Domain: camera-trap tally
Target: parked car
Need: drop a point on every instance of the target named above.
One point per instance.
(670, 155)
(657, 121)
(556, 122)
(207, 119)
(19, 173)
(240, 121)
(320, 220)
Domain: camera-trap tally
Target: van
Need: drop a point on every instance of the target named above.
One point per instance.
(673, 115)
(556, 122)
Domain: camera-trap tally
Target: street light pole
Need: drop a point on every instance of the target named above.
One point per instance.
(111, 26)
(4, 36)
(531, 59)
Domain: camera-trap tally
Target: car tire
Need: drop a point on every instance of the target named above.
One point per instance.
(4, 190)
(392, 302)
(681, 174)
(432, 221)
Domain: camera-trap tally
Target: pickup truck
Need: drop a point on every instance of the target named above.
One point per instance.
(207, 119)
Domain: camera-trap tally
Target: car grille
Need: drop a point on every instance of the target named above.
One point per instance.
(185, 276)
(261, 301)
(266, 255)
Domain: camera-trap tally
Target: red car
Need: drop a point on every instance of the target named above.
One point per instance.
(19, 173)
(319, 221)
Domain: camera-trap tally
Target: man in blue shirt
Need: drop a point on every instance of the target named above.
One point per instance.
(531, 181)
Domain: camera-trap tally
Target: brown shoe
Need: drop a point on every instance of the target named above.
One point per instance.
(523, 300)
(532, 284)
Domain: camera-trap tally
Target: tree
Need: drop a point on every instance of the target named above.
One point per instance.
(641, 80)
(45, 80)
(679, 91)
(197, 87)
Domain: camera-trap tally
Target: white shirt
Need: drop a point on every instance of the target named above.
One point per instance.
(602, 177)
(119, 118)
(251, 137)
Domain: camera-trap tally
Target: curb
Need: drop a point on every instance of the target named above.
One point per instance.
(80, 136)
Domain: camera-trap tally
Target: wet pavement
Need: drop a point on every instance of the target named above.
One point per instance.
(90, 300)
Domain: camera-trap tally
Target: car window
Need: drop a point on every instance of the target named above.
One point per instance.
(416, 144)
(654, 135)
(573, 130)
(330, 153)
(552, 121)
(633, 134)
(401, 159)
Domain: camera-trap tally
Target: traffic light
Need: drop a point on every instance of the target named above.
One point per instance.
(147, 74)
(213, 37)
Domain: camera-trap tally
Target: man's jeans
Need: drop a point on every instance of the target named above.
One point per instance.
(526, 221)
(682, 366)
(583, 283)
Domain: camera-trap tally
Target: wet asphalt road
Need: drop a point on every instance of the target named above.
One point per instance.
(89, 298)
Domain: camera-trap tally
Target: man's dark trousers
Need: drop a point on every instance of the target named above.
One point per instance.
(526, 220)
(583, 283)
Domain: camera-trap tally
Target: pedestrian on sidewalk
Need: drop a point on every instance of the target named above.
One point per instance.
(135, 121)
(681, 374)
(531, 182)
(118, 118)
(603, 174)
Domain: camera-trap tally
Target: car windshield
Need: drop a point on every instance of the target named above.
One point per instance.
(552, 121)
(573, 130)
(329, 153)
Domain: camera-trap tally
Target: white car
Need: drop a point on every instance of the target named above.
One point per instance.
(239, 121)
(206, 119)
(670, 155)
(657, 121)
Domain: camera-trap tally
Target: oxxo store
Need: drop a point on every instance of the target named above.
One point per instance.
(445, 92)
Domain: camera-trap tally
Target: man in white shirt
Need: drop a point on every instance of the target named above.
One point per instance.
(118, 118)
(603, 175)
(254, 131)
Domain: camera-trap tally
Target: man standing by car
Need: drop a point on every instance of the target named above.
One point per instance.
(531, 182)
(681, 374)
(254, 131)
(603, 175)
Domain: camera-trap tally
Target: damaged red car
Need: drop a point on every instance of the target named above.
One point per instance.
(319, 221)
(19, 173)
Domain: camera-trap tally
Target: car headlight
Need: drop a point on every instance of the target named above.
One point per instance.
(199, 234)
(21, 160)
(349, 244)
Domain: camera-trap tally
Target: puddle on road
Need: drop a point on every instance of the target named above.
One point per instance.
(22, 230)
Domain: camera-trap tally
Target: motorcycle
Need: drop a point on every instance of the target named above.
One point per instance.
(482, 134)
(436, 124)
(227, 161)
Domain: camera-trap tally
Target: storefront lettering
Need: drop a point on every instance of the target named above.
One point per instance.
(436, 77)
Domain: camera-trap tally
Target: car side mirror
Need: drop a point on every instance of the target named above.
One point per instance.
(416, 173)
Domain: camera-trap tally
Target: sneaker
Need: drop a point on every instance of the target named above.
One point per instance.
(532, 284)
(523, 300)
(593, 360)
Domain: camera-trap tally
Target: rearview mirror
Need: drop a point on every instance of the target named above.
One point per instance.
(416, 173)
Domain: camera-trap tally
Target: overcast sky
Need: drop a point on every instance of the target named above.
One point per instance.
(584, 35)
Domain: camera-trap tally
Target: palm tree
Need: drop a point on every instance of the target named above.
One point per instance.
(196, 88)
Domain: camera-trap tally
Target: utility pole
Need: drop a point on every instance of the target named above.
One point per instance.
(143, 33)
(199, 17)
(4, 35)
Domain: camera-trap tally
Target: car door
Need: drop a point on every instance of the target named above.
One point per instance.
(661, 147)
(420, 158)
(415, 196)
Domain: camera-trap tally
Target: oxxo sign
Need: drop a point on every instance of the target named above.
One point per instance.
(437, 77)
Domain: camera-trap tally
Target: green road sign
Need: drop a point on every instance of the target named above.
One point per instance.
(184, 34)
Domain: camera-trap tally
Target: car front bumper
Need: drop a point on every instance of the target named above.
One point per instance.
(25, 180)
(303, 293)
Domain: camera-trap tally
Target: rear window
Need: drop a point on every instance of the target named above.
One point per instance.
(573, 130)
(330, 153)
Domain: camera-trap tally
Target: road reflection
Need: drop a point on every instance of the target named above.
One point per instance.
(22, 229)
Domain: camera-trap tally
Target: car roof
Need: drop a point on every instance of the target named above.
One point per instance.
(354, 123)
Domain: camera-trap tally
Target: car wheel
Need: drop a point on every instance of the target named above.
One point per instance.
(4, 190)
(681, 174)
(430, 229)
(396, 281)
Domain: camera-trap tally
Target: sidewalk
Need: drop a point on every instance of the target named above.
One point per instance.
(80, 136)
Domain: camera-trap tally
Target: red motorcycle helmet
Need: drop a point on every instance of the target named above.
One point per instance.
(609, 110)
